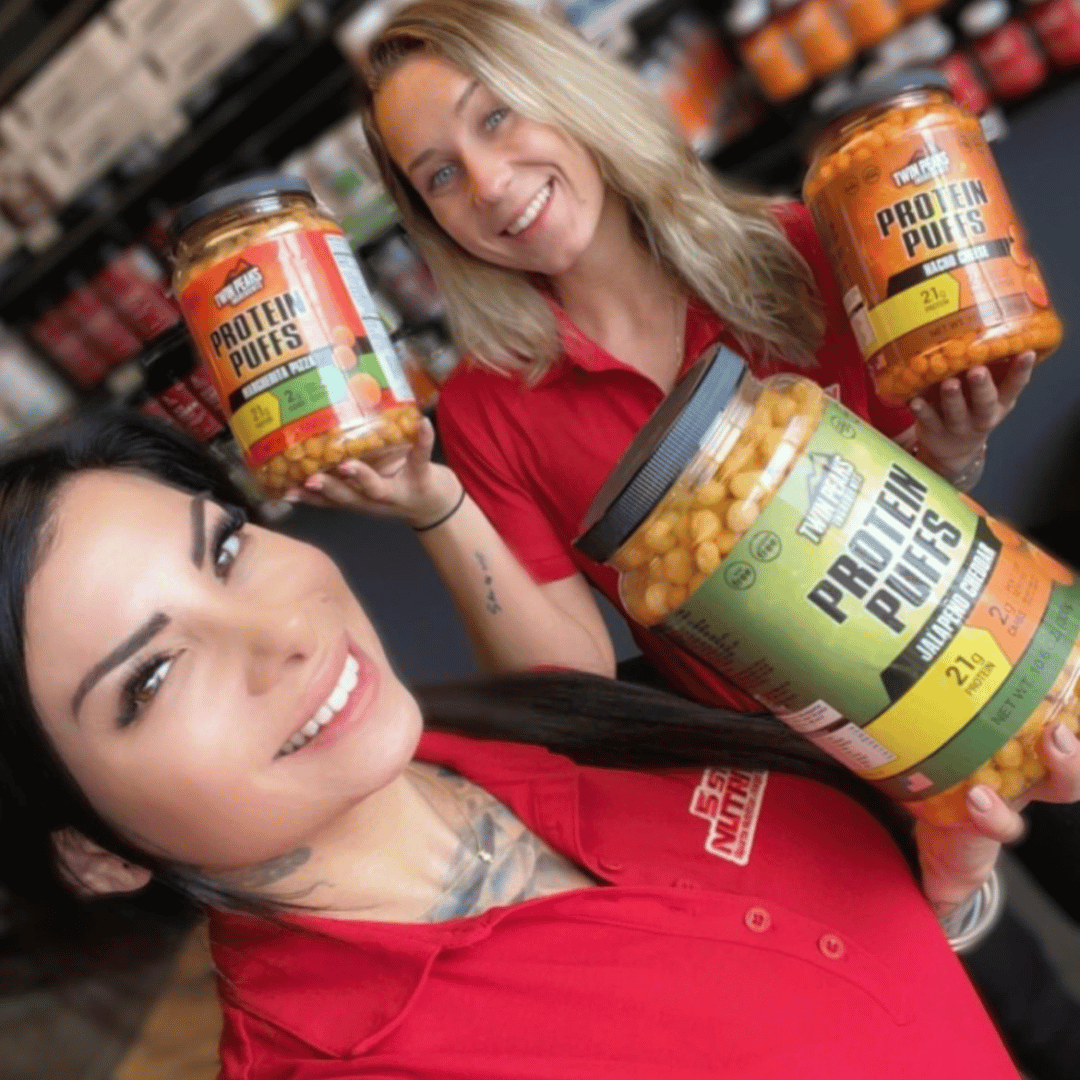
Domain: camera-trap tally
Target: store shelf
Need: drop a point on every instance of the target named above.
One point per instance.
(59, 29)
(233, 131)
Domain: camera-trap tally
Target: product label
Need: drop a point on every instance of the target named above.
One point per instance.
(293, 341)
(926, 242)
(883, 616)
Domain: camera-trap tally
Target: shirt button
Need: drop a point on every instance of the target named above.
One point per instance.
(832, 948)
(612, 866)
(758, 920)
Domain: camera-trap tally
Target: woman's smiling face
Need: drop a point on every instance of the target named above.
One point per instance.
(214, 688)
(509, 190)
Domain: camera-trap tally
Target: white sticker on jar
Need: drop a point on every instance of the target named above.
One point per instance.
(851, 746)
(811, 718)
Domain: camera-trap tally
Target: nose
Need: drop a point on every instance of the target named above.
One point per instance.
(275, 641)
(489, 173)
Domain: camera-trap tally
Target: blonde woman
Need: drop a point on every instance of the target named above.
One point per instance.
(587, 258)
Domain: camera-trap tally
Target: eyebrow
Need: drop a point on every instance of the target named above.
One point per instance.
(198, 529)
(154, 625)
(461, 103)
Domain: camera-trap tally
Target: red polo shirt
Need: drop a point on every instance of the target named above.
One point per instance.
(745, 931)
(533, 458)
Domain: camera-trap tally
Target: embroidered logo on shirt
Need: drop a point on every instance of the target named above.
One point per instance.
(730, 801)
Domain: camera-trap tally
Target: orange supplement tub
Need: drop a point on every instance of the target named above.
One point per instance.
(284, 321)
(930, 253)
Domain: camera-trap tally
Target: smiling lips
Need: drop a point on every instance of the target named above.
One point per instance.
(346, 684)
(532, 211)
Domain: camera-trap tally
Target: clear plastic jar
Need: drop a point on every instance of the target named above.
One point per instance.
(930, 253)
(284, 321)
(766, 529)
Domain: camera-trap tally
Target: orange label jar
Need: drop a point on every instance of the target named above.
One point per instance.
(280, 313)
(931, 255)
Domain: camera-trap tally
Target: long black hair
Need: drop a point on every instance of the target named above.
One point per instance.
(588, 718)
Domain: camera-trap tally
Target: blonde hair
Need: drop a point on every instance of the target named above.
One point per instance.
(725, 246)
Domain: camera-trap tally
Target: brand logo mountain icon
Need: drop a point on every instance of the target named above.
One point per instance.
(924, 166)
(242, 281)
(834, 485)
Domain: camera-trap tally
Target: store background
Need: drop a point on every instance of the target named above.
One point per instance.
(112, 114)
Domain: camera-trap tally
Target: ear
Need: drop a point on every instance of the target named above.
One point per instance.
(93, 870)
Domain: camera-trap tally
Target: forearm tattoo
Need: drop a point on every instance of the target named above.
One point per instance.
(490, 602)
(522, 866)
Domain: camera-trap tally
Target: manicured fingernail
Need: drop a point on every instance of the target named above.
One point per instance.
(349, 468)
(917, 404)
(1028, 357)
(979, 374)
(314, 483)
(1064, 740)
(980, 799)
(292, 495)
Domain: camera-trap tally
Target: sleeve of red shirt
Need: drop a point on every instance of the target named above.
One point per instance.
(839, 343)
(483, 467)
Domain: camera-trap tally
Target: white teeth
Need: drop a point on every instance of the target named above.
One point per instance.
(530, 213)
(346, 684)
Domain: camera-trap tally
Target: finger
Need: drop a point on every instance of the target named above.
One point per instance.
(1016, 378)
(362, 478)
(307, 497)
(1060, 752)
(425, 442)
(985, 407)
(336, 492)
(929, 421)
(992, 817)
(954, 408)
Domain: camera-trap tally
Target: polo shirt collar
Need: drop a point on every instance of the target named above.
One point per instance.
(580, 351)
(341, 985)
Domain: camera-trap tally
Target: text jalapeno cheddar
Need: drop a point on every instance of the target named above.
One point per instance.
(767, 530)
(280, 313)
(932, 258)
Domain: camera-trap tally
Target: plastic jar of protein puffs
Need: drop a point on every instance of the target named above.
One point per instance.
(930, 254)
(281, 315)
(767, 530)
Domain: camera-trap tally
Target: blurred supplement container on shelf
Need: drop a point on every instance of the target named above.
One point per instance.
(1057, 25)
(344, 178)
(65, 344)
(1005, 49)
(29, 391)
(870, 21)
(767, 50)
(709, 96)
(84, 308)
(135, 285)
(819, 32)
(406, 277)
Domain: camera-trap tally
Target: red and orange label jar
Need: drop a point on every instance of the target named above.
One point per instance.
(280, 313)
(933, 260)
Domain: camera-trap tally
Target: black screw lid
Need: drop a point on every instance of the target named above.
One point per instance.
(882, 89)
(659, 453)
(222, 198)
(168, 357)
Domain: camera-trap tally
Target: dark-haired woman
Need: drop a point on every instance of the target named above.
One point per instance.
(189, 696)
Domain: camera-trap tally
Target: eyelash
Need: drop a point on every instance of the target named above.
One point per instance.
(146, 680)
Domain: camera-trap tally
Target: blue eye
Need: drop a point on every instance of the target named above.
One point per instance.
(440, 177)
(494, 119)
